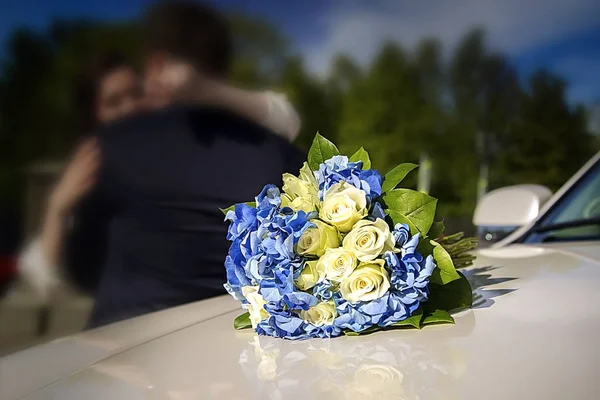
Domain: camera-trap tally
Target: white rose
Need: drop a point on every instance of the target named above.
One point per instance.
(369, 239)
(295, 187)
(256, 304)
(307, 175)
(300, 203)
(343, 206)
(369, 281)
(337, 264)
(322, 314)
(309, 276)
(314, 241)
(300, 193)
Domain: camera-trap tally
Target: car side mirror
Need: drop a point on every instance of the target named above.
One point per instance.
(502, 211)
(511, 206)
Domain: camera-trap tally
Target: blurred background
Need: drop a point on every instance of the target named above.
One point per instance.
(482, 94)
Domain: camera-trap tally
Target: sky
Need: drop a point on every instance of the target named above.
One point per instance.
(561, 35)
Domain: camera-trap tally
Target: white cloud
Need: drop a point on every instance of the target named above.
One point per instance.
(359, 26)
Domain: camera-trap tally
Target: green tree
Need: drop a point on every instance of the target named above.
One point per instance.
(379, 108)
(344, 73)
(431, 80)
(485, 96)
(261, 51)
(40, 71)
(431, 118)
(549, 142)
(312, 101)
(23, 108)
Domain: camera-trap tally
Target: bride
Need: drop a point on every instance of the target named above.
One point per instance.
(111, 90)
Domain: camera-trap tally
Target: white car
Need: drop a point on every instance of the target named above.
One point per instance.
(532, 333)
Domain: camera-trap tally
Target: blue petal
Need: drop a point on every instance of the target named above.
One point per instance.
(377, 211)
(299, 300)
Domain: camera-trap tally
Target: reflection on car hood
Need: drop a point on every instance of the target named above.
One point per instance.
(36, 367)
(532, 334)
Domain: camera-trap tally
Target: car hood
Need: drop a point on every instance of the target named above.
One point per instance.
(531, 334)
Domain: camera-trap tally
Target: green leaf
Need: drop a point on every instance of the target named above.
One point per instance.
(438, 317)
(365, 332)
(425, 247)
(242, 322)
(398, 218)
(437, 228)
(231, 208)
(451, 296)
(445, 271)
(396, 175)
(362, 155)
(320, 150)
(418, 207)
(414, 320)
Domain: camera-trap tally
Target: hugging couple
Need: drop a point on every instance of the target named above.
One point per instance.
(135, 218)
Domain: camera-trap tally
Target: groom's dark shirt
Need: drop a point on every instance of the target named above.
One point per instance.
(164, 177)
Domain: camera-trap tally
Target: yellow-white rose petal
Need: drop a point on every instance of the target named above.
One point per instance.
(369, 239)
(369, 281)
(337, 264)
(343, 206)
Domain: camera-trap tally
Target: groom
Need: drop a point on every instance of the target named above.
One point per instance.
(166, 173)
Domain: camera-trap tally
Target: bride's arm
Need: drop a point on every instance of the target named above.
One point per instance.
(268, 108)
(282, 117)
(40, 260)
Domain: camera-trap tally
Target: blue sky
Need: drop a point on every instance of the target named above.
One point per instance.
(562, 35)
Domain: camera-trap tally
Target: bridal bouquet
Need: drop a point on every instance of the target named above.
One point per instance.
(341, 250)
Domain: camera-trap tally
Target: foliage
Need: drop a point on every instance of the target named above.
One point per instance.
(404, 103)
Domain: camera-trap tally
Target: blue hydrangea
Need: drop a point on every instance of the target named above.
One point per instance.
(299, 301)
(263, 240)
(324, 290)
(236, 273)
(376, 211)
(267, 202)
(410, 273)
(382, 312)
(401, 234)
(242, 220)
(287, 325)
(272, 289)
(238, 262)
(338, 169)
(351, 316)
(284, 321)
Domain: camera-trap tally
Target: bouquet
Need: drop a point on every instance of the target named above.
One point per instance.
(341, 250)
